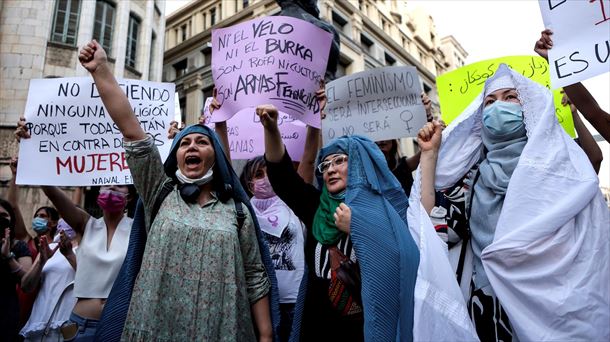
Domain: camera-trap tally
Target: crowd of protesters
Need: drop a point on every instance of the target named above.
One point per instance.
(495, 230)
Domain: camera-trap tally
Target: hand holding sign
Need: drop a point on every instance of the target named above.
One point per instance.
(174, 129)
(425, 100)
(321, 97)
(544, 44)
(21, 131)
(581, 40)
(72, 139)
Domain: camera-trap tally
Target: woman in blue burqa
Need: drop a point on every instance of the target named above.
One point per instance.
(362, 260)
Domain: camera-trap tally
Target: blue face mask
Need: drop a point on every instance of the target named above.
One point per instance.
(503, 118)
(40, 225)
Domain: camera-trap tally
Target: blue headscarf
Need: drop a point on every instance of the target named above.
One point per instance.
(385, 249)
(227, 185)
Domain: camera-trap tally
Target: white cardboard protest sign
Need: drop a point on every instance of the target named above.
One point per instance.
(581, 39)
(381, 104)
(74, 141)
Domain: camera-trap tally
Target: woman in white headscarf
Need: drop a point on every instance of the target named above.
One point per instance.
(530, 241)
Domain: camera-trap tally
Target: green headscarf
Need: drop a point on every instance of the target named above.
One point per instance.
(324, 228)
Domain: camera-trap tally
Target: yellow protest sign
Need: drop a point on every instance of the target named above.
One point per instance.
(458, 88)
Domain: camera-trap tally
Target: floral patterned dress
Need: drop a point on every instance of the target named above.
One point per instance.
(200, 273)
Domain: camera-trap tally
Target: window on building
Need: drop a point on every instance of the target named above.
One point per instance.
(183, 109)
(389, 60)
(65, 22)
(183, 32)
(212, 16)
(245, 3)
(153, 42)
(342, 67)
(384, 24)
(132, 41)
(206, 52)
(104, 24)
(338, 21)
(180, 68)
(366, 43)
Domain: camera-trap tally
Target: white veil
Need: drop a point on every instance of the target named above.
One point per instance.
(549, 263)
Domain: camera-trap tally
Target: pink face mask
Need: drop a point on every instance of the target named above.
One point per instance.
(112, 201)
(262, 188)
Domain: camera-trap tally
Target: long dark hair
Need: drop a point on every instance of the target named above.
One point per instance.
(51, 212)
(247, 174)
(11, 212)
(394, 155)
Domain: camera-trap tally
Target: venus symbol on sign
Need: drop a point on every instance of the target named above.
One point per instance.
(407, 116)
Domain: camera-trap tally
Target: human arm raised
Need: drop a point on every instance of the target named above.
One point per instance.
(93, 58)
(585, 139)
(303, 198)
(413, 161)
(21, 232)
(578, 94)
(274, 147)
(74, 216)
(589, 108)
(221, 127)
(429, 140)
(313, 139)
(307, 165)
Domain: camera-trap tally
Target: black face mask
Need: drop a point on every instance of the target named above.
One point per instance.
(189, 192)
(4, 223)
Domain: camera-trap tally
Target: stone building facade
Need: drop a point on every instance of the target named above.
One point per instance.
(41, 38)
(373, 34)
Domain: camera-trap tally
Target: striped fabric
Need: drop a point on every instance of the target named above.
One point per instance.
(388, 255)
(385, 249)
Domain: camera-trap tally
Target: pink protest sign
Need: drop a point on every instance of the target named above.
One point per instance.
(276, 60)
(246, 136)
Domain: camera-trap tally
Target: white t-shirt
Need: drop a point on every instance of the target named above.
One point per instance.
(285, 235)
(98, 266)
(56, 278)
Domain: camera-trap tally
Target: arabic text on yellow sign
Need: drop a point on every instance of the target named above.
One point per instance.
(458, 88)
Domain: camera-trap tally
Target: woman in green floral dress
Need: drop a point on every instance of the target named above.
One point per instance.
(201, 277)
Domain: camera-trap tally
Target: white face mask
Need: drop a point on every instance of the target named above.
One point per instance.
(199, 181)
